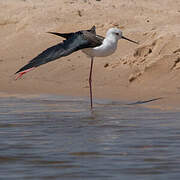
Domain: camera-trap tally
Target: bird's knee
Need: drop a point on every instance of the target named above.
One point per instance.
(90, 80)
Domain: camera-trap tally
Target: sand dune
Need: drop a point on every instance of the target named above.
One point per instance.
(149, 70)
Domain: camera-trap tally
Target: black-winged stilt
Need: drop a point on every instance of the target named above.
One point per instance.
(88, 41)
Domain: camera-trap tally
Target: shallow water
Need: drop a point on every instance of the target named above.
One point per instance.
(51, 137)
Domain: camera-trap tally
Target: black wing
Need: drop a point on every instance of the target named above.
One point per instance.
(69, 35)
(77, 41)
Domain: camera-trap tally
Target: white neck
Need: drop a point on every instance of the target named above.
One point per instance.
(107, 48)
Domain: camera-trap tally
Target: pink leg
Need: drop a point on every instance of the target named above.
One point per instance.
(90, 81)
(23, 72)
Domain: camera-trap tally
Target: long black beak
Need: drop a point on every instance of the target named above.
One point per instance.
(129, 40)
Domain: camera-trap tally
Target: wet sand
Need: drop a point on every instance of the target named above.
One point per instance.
(134, 73)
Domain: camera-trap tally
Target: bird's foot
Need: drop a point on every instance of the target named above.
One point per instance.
(20, 74)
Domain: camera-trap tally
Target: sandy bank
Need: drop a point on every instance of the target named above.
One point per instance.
(149, 70)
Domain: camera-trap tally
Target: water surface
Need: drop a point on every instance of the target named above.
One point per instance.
(50, 137)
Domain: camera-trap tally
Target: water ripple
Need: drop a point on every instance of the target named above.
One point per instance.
(50, 137)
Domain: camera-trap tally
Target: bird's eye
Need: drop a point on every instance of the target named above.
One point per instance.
(117, 34)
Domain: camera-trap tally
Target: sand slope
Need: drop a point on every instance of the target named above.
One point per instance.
(149, 70)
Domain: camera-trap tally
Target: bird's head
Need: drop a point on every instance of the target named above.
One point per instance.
(117, 34)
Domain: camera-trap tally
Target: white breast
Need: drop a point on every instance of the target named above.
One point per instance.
(107, 48)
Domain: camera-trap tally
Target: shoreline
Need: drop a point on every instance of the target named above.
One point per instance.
(161, 103)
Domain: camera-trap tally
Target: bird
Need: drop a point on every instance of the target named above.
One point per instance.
(87, 41)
